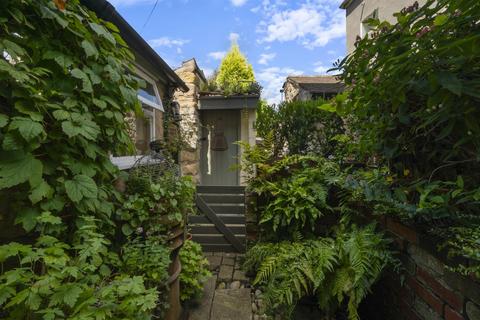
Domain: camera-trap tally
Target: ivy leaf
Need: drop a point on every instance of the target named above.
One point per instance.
(101, 31)
(28, 128)
(27, 218)
(89, 49)
(43, 190)
(81, 187)
(3, 120)
(17, 167)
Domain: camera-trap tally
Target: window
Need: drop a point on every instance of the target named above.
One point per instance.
(365, 27)
(149, 95)
(145, 130)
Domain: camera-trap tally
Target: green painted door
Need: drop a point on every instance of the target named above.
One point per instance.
(218, 151)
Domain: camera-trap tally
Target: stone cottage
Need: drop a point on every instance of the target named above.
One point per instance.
(303, 88)
(211, 125)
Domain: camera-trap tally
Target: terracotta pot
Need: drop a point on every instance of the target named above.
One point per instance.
(175, 239)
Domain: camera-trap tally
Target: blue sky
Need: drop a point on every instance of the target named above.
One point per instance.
(279, 37)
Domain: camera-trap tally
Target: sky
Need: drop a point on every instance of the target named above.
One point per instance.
(278, 37)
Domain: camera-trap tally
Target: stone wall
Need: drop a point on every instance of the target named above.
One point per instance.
(190, 124)
(427, 289)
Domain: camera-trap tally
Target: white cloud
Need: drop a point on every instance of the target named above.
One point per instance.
(238, 3)
(217, 55)
(314, 23)
(266, 57)
(208, 72)
(167, 42)
(233, 37)
(272, 80)
(320, 68)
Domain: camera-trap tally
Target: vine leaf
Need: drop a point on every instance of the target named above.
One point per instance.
(89, 48)
(28, 128)
(28, 218)
(18, 167)
(3, 120)
(81, 187)
(43, 190)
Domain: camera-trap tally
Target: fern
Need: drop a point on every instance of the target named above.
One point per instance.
(335, 270)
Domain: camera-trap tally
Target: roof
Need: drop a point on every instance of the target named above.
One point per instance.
(318, 83)
(345, 4)
(192, 65)
(157, 65)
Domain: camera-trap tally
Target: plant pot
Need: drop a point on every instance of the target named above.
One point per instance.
(176, 238)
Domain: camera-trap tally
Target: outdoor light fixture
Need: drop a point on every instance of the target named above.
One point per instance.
(219, 142)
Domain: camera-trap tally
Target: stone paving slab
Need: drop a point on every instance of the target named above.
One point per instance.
(226, 273)
(214, 261)
(202, 312)
(232, 304)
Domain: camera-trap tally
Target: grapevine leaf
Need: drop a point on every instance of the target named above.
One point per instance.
(17, 167)
(81, 187)
(89, 48)
(28, 128)
(28, 218)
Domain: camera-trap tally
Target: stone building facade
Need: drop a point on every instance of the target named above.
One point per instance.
(193, 77)
(304, 88)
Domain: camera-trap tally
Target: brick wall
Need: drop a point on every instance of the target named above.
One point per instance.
(426, 289)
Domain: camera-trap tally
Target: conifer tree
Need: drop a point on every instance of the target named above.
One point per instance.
(235, 74)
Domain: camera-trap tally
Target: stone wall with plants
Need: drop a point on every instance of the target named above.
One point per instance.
(81, 248)
(406, 157)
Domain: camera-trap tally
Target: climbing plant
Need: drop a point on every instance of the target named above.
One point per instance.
(67, 86)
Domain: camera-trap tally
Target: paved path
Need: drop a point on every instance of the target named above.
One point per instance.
(227, 294)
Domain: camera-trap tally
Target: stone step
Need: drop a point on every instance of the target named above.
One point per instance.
(232, 304)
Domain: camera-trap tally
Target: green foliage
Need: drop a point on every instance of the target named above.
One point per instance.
(194, 270)
(299, 127)
(156, 205)
(411, 107)
(67, 86)
(296, 190)
(339, 271)
(235, 74)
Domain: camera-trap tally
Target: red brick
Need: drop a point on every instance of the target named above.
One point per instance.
(453, 299)
(423, 293)
(451, 314)
(402, 230)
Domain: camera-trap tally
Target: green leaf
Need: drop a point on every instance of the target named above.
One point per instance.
(12, 141)
(43, 190)
(89, 48)
(440, 20)
(17, 167)
(47, 218)
(61, 114)
(3, 120)
(28, 128)
(101, 31)
(79, 74)
(70, 296)
(81, 187)
(126, 229)
(28, 218)
(62, 60)
(460, 182)
(328, 107)
(70, 129)
(450, 82)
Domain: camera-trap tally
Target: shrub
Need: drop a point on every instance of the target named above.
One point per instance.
(194, 270)
(235, 74)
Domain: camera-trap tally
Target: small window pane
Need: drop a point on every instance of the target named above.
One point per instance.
(149, 93)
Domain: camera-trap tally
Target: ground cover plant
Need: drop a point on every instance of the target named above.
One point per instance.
(67, 250)
(194, 270)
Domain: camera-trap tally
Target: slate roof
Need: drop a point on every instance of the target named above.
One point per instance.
(318, 84)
